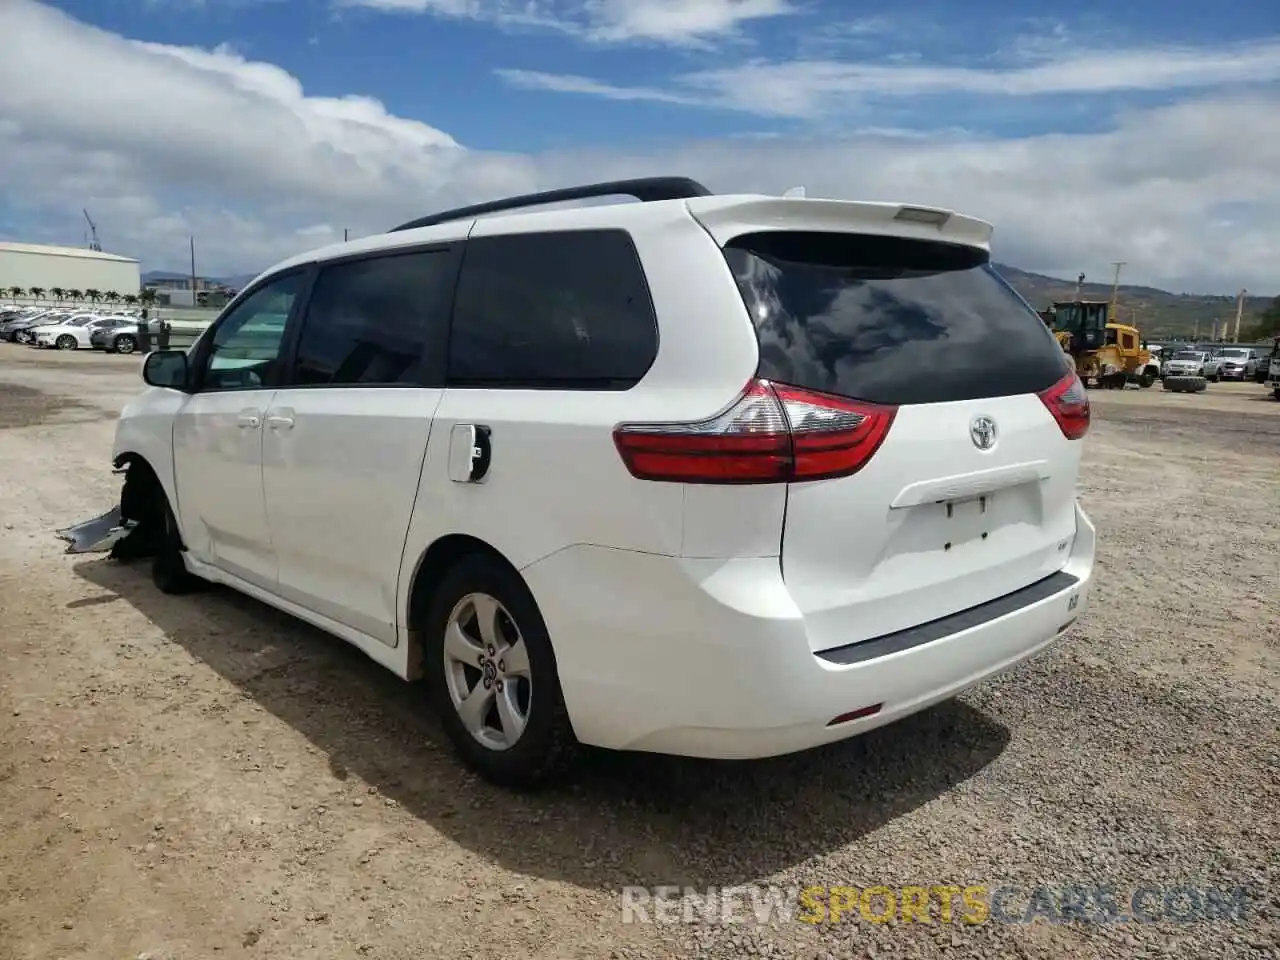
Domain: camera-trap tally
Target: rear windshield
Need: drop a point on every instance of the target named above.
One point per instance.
(888, 320)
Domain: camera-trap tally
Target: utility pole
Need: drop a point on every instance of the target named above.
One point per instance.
(1115, 287)
(193, 271)
(345, 233)
(1239, 312)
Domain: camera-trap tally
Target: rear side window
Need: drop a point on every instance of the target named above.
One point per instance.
(888, 320)
(368, 321)
(567, 310)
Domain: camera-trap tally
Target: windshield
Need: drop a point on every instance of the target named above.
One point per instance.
(1186, 355)
(1234, 354)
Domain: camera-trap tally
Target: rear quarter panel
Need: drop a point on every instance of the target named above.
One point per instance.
(556, 478)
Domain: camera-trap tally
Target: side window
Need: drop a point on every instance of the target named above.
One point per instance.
(567, 310)
(368, 321)
(246, 347)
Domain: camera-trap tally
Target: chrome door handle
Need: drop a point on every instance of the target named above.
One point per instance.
(248, 420)
(279, 421)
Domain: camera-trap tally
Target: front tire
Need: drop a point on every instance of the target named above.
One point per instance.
(66, 342)
(491, 673)
(168, 569)
(124, 344)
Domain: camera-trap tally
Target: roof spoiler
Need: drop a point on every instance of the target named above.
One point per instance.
(644, 189)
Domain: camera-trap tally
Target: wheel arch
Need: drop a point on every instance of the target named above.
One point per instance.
(140, 480)
(436, 561)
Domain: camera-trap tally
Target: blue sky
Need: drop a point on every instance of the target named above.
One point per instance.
(1087, 134)
(449, 70)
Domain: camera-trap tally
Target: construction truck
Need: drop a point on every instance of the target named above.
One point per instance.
(1106, 353)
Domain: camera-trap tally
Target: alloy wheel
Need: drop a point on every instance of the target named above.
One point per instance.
(486, 670)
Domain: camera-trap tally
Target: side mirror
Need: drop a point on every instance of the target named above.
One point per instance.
(166, 368)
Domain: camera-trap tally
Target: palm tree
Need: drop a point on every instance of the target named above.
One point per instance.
(111, 296)
(93, 296)
(131, 299)
(17, 292)
(148, 296)
(74, 295)
(37, 293)
(58, 293)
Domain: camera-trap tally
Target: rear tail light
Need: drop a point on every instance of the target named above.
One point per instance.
(1068, 401)
(772, 433)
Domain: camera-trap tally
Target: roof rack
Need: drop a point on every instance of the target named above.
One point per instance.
(644, 189)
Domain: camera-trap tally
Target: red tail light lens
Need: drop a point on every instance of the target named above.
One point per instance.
(771, 434)
(1068, 401)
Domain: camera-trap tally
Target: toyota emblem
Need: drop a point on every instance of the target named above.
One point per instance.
(983, 432)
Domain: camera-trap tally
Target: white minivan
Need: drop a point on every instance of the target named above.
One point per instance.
(718, 476)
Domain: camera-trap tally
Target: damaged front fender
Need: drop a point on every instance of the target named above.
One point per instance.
(127, 530)
(98, 535)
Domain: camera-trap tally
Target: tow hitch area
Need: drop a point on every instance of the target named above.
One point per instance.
(97, 535)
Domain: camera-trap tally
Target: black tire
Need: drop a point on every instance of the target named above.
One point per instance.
(124, 344)
(1275, 394)
(168, 571)
(1146, 380)
(546, 750)
(66, 342)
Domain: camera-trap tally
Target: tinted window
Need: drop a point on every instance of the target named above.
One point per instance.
(368, 320)
(556, 310)
(889, 320)
(247, 342)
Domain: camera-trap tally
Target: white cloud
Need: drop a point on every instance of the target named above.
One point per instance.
(676, 22)
(814, 88)
(161, 143)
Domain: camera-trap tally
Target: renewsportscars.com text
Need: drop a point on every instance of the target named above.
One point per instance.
(936, 903)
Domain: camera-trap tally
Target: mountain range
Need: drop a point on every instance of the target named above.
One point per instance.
(1157, 313)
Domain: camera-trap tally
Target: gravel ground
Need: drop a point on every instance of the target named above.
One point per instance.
(203, 777)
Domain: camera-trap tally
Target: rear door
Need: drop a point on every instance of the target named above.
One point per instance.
(345, 434)
(972, 494)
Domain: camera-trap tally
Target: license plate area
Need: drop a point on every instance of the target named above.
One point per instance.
(966, 520)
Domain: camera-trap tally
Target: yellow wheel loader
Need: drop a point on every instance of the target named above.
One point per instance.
(1106, 353)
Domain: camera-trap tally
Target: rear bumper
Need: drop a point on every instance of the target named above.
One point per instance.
(711, 658)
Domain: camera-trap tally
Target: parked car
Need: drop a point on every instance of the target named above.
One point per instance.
(24, 331)
(120, 338)
(15, 325)
(1195, 363)
(1264, 363)
(657, 476)
(73, 333)
(1237, 363)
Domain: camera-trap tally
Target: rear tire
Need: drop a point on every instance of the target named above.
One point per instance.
(541, 748)
(168, 569)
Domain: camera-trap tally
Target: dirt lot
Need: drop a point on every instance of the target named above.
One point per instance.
(202, 777)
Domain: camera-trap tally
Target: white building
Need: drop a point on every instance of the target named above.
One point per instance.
(28, 265)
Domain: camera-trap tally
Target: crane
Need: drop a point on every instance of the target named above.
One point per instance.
(93, 232)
